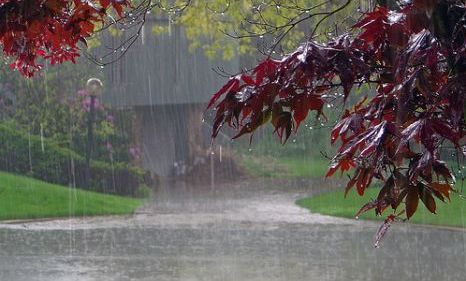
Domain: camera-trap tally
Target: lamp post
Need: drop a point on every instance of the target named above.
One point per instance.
(94, 88)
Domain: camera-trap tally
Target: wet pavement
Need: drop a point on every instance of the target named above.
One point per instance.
(248, 230)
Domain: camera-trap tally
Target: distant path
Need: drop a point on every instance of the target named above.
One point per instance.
(249, 230)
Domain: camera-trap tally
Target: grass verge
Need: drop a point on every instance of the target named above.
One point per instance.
(27, 198)
(334, 204)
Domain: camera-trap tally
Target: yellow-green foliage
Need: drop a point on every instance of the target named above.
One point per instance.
(207, 22)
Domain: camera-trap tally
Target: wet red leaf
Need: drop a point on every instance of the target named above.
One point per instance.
(428, 200)
(443, 188)
(50, 29)
(412, 200)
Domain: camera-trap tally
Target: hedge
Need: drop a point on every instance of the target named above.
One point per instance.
(42, 159)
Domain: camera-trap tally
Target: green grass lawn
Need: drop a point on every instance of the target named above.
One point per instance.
(26, 198)
(334, 204)
(284, 167)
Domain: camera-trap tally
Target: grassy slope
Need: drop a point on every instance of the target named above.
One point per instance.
(284, 167)
(334, 204)
(25, 198)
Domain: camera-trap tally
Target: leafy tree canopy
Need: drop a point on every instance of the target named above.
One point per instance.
(32, 32)
(255, 24)
(412, 55)
(51, 29)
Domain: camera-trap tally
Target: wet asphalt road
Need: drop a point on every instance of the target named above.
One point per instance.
(248, 230)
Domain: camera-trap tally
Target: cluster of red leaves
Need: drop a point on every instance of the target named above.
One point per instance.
(49, 29)
(415, 58)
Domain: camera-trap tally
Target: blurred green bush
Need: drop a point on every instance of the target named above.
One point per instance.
(40, 158)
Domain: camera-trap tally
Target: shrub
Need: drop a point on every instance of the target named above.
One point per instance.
(143, 191)
(42, 159)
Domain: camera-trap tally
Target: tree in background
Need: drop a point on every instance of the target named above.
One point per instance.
(244, 26)
(40, 105)
(54, 106)
(36, 35)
